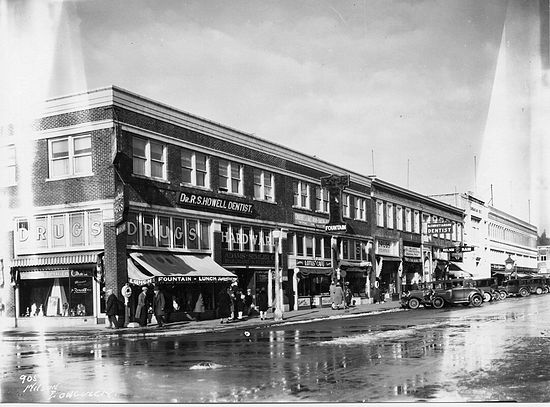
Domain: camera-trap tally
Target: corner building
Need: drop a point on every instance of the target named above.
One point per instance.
(126, 190)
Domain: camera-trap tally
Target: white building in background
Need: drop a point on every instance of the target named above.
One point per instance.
(494, 235)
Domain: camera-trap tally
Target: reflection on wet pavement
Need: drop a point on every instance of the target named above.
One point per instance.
(463, 354)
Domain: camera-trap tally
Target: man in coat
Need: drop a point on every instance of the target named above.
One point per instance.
(111, 308)
(159, 304)
(141, 309)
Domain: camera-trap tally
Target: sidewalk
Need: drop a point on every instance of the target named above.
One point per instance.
(87, 332)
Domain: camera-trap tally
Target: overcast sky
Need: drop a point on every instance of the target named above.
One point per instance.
(409, 80)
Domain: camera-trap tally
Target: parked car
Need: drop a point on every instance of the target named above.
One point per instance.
(524, 286)
(419, 294)
(489, 287)
(456, 291)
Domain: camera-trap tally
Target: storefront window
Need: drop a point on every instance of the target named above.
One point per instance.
(192, 234)
(318, 246)
(345, 249)
(299, 244)
(179, 235)
(58, 230)
(309, 245)
(326, 248)
(267, 242)
(76, 222)
(164, 232)
(245, 238)
(290, 242)
(148, 227)
(205, 235)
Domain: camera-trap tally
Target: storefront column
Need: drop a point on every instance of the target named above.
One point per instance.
(270, 288)
(295, 288)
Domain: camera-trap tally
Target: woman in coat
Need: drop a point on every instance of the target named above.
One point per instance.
(338, 297)
(159, 304)
(224, 305)
(262, 304)
(141, 309)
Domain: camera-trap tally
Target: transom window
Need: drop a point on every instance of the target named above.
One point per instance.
(263, 185)
(149, 158)
(195, 168)
(230, 177)
(70, 156)
(301, 194)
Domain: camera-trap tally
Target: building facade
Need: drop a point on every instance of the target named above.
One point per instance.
(128, 191)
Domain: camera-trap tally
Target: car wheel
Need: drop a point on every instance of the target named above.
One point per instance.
(476, 300)
(503, 295)
(538, 290)
(524, 292)
(496, 296)
(545, 290)
(438, 302)
(487, 297)
(413, 303)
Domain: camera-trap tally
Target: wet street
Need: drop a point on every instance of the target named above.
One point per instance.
(498, 352)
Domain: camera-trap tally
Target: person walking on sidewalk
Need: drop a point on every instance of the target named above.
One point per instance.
(159, 303)
(338, 297)
(141, 309)
(263, 303)
(248, 300)
(224, 305)
(347, 294)
(111, 309)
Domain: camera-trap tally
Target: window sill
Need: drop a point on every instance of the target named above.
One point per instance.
(69, 177)
(300, 207)
(230, 193)
(182, 184)
(265, 200)
(161, 180)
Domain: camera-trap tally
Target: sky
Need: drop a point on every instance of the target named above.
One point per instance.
(396, 88)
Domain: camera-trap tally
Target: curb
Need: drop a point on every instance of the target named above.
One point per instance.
(185, 330)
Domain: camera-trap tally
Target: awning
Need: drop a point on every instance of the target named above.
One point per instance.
(453, 266)
(306, 271)
(56, 259)
(135, 276)
(176, 268)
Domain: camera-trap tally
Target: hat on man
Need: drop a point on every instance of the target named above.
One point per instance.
(143, 288)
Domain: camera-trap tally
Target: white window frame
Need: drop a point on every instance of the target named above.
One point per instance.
(71, 156)
(230, 166)
(260, 190)
(360, 208)
(389, 215)
(380, 213)
(8, 168)
(322, 199)
(298, 194)
(195, 170)
(416, 222)
(408, 220)
(346, 205)
(399, 217)
(149, 160)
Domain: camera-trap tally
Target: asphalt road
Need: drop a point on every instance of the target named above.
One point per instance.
(498, 352)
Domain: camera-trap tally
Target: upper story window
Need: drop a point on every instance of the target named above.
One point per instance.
(8, 173)
(230, 177)
(301, 194)
(321, 199)
(389, 213)
(263, 185)
(345, 205)
(195, 168)
(380, 213)
(360, 208)
(416, 224)
(399, 217)
(70, 156)
(408, 220)
(149, 158)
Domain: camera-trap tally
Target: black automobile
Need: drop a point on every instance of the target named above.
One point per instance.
(414, 296)
(456, 291)
(489, 286)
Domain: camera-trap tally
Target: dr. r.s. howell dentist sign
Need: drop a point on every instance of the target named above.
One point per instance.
(215, 204)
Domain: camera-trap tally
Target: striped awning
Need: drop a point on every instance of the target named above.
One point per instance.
(56, 259)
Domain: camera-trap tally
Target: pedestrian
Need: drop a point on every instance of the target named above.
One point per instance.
(141, 309)
(111, 309)
(347, 294)
(338, 297)
(263, 303)
(332, 290)
(248, 300)
(159, 304)
(234, 291)
(224, 305)
(239, 302)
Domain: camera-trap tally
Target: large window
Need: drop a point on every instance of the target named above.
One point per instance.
(321, 199)
(389, 215)
(416, 222)
(149, 158)
(194, 168)
(230, 177)
(360, 209)
(399, 217)
(380, 213)
(301, 194)
(70, 156)
(345, 205)
(408, 220)
(7, 166)
(263, 185)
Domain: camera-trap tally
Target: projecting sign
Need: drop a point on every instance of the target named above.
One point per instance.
(458, 249)
(441, 227)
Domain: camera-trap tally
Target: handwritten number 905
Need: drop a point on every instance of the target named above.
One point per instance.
(27, 378)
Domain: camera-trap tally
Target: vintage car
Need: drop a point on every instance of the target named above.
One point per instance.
(489, 287)
(456, 291)
(525, 286)
(419, 294)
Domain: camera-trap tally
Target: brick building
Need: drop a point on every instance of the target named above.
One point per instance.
(128, 190)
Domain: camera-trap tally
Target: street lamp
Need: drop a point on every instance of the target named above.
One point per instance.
(510, 265)
(278, 235)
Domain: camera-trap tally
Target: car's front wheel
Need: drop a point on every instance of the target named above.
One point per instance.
(503, 295)
(545, 290)
(487, 297)
(524, 292)
(413, 303)
(538, 290)
(476, 300)
(438, 302)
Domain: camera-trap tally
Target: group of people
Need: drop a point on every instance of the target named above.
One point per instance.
(157, 307)
(234, 303)
(340, 297)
